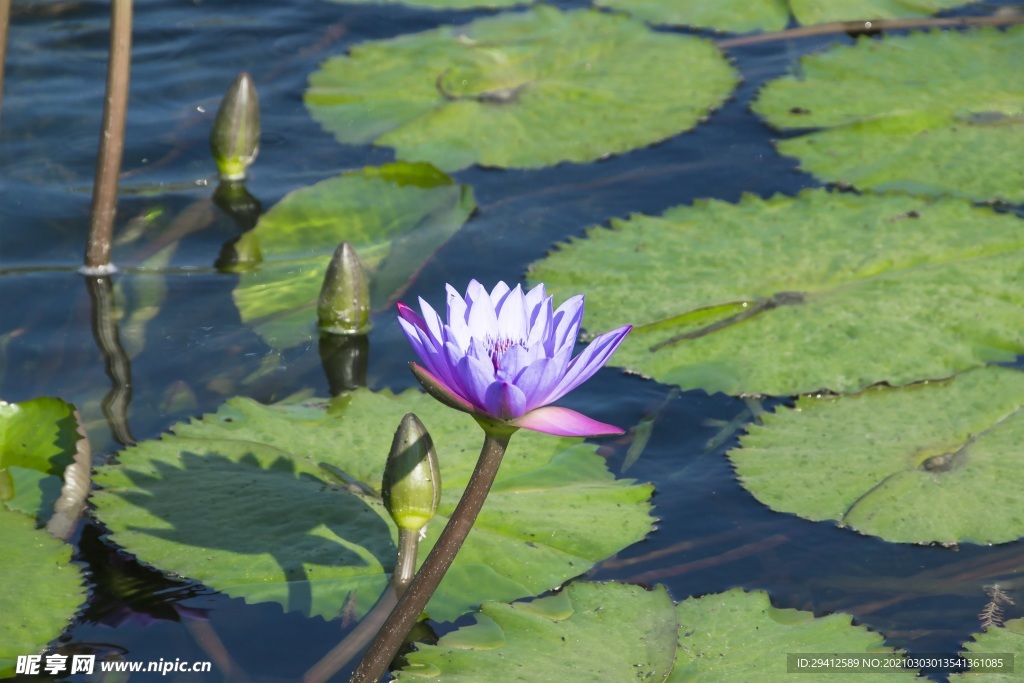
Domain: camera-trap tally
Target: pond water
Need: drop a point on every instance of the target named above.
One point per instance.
(194, 351)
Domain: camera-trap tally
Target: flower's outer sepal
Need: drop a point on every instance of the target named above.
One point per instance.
(438, 390)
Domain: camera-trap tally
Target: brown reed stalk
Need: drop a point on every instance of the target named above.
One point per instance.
(108, 161)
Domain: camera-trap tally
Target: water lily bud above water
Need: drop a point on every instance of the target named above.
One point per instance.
(235, 138)
(412, 479)
(344, 304)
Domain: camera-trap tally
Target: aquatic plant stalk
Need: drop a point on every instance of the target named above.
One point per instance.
(108, 161)
(5, 22)
(402, 618)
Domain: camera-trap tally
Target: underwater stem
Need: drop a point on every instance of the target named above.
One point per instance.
(401, 620)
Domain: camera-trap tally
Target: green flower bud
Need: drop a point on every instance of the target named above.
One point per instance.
(344, 304)
(235, 138)
(412, 479)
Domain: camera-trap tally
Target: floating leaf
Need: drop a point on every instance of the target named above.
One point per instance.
(40, 590)
(521, 90)
(38, 439)
(823, 11)
(732, 636)
(395, 216)
(737, 16)
(242, 501)
(934, 113)
(740, 636)
(440, 4)
(564, 637)
(992, 647)
(785, 296)
(930, 462)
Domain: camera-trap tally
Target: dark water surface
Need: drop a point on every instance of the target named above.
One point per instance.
(195, 352)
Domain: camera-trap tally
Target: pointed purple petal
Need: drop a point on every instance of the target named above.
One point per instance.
(535, 297)
(476, 374)
(567, 323)
(432, 320)
(512, 316)
(589, 361)
(564, 422)
(499, 292)
(411, 316)
(541, 377)
(439, 390)
(482, 321)
(540, 323)
(505, 401)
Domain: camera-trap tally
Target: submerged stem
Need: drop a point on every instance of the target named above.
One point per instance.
(401, 620)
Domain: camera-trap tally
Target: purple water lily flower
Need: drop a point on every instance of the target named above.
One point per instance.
(506, 355)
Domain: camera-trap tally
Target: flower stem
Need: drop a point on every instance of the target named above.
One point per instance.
(401, 620)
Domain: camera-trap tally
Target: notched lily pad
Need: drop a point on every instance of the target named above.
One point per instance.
(735, 16)
(998, 651)
(739, 16)
(792, 295)
(824, 11)
(931, 462)
(38, 441)
(934, 113)
(740, 636)
(249, 501)
(395, 216)
(732, 636)
(40, 590)
(521, 90)
(564, 637)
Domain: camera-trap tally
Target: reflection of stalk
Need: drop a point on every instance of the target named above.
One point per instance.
(5, 22)
(108, 161)
(104, 329)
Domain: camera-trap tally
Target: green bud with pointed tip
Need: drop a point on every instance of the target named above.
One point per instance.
(412, 479)
(235, 138)
(344, 304)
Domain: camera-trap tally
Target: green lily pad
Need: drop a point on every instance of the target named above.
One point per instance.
(732, 636)
(935, 113)
(564, 637)
(38, 440)
(395, 216)
(40, 590)
(441, 4)
(990, 650)
(785, 296)
(735, 16)
(824, 11)
(930, 462)
(740, 16)
(38, 434)
(249, 501)
(740, 636)
(521, 90)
